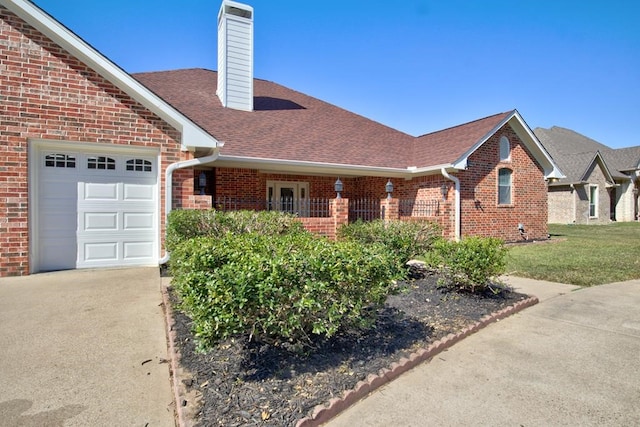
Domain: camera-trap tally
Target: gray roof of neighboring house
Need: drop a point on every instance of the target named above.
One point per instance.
(574, 153)
(626, 159)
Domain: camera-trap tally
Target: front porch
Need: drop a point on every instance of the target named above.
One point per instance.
(324, 203)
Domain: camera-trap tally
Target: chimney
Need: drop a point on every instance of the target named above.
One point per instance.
(235, 55)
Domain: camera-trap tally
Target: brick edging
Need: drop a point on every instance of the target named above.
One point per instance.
(174, 358)
(323, 413)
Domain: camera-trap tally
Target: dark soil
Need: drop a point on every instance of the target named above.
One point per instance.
(244, 383)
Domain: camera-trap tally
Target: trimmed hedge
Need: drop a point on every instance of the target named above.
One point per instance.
(277, 289)
(472, 264)
(186, 224)
(405, 240)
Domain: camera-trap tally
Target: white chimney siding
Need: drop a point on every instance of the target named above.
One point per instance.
(235, 56)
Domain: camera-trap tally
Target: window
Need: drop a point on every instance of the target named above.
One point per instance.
(138, 165)
(504, 187)
(505, 149)
(593, 201)
(59, 161)
(102, 163)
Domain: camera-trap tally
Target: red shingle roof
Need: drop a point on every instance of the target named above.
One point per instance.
(449, 145)
(289, 125)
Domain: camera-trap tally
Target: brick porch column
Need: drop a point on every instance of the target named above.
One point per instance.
(389, 209)
(339, 211)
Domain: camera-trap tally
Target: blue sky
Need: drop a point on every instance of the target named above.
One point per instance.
(415, 65)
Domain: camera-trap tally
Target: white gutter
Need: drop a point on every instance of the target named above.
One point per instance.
(456, 181)
(168, 186)
(303, 166)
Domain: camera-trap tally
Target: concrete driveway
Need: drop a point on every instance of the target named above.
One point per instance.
(573, 359)
(84, 348)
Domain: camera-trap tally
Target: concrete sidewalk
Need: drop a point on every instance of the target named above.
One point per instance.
(84, 348)
(573, 359)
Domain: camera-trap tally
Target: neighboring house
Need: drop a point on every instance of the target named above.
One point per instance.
(601, 183)
(92, 158)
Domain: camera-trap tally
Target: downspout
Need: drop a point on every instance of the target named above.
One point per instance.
(168, 186)
(573, 199)
(456, 181)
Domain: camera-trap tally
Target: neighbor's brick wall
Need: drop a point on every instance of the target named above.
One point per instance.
(45, 93)
(481, 214)
(594, 176)
(561, 205)
(625, 202)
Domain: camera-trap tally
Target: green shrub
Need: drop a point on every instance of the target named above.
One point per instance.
(281, 288)
(472, 264)
(186, 224)
(404, 239)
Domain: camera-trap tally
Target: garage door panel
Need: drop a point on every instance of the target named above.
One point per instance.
(100, 221)
(137, 250)
(138, 220)
(100, 251)
(97, 218)
(100, 191)
(133, 192)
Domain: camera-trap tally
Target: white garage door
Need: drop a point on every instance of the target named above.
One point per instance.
(96, 209)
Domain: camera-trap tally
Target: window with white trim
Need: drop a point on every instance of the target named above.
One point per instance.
(593, 201)
(504, 186)
(505, 149)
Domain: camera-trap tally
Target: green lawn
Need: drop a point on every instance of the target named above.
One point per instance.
(582, 255)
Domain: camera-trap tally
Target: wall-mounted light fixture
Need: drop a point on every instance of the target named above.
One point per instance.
(389, 188)
(202, 182)
(338, 187)
(444, 189)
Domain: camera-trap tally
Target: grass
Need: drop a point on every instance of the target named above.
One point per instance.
(583, 255)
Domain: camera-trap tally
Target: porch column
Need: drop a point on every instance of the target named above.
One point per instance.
(339, 211)
(389, 209)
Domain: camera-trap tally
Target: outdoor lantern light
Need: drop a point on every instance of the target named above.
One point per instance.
(444, 190)
(389, 188)
(338, 188)
(202, 182)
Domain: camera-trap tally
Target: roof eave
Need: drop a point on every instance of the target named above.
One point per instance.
(321, 168)
(551, 170)
(608, 176)
(192, 136)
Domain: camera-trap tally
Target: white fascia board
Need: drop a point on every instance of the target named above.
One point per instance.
(192, 135)
(300, 166)
(462, 161)
(551, 170)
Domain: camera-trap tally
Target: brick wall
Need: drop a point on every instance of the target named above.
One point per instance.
(481, 213)
(47, 94)
(561, 205)
(595, 176)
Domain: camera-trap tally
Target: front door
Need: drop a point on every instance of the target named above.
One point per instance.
(289, 197)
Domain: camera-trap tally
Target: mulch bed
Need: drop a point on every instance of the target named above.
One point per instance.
(241, 383)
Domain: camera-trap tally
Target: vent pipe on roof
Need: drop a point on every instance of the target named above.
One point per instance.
(235, 55)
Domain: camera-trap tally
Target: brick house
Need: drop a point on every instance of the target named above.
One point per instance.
(92, 158)
(601, 183)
